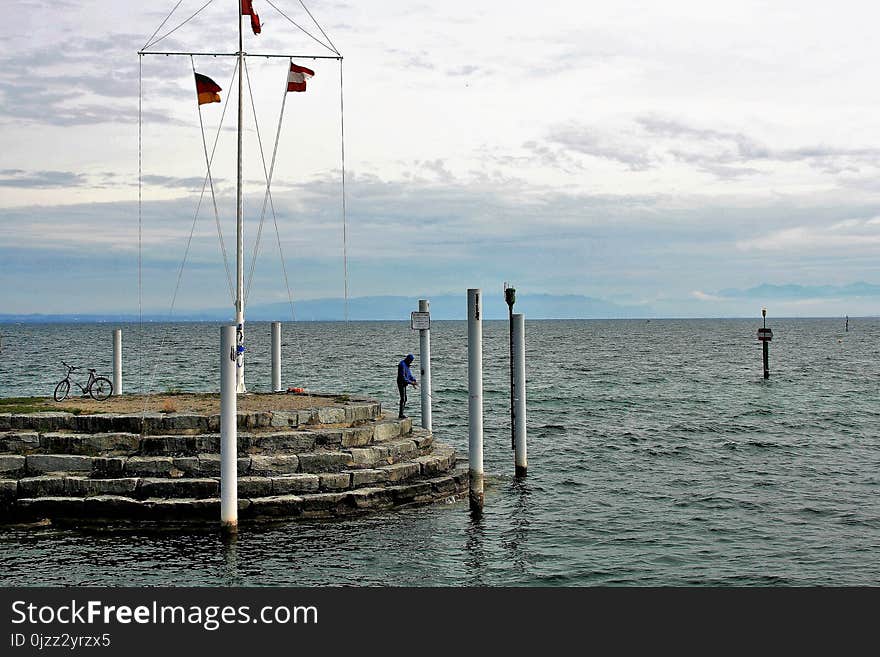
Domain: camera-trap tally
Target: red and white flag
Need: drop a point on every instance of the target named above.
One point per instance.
(296, 79)
(247, 9)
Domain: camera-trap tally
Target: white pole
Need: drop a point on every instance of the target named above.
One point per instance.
(518, 330)
(228, 430)
(276, 356)
(425, 362)
(475, 400)
(117, 361)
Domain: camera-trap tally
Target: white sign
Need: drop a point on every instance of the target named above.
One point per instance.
(420, 321)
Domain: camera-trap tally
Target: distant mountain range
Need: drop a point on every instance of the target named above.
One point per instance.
(724, 303)
(795, 292)
(535, 306)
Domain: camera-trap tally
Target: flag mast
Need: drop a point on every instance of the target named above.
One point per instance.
(239, 254)
(296, 82)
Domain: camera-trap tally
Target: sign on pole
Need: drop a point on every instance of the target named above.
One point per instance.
(420, 321)
(765, 334)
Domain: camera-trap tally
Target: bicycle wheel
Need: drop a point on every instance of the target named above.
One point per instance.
(101, 388)
(61, 390)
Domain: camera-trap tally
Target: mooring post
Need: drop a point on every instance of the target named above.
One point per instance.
(765, 335)
(510, 299)
(228, 430)
(276, 356)
(766, 360)
(425, 365)
(117, 361)
(518, 330)
(475, 400)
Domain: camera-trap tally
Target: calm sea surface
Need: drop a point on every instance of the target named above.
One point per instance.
(658, 455)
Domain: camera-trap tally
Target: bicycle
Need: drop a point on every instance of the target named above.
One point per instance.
(98, 387)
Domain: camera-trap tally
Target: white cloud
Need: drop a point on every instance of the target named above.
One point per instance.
(703, 296)
(631, 146)
(838, 238)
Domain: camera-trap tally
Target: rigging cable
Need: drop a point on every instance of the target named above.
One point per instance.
(140, 221)
(344, 214)
(301, 28)
(268, 196)
(147, 44)
(211, 180)
(186, 250)
(319, 26)
(167, 34)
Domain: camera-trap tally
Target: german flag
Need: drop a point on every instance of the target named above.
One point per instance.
(207, 89)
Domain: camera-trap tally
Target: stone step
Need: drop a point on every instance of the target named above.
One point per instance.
(131, 444)
(440, 461)
(200, 465)
(208, 464)
(307, 505)
(350, 413)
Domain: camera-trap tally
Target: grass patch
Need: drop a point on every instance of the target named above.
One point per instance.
(33, 405)
(25, 408)
(4, 401)
(23, 404)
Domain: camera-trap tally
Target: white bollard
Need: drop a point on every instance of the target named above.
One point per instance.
(425, 363)
(117, 361)
(518, 330)
(475, 400)
(276, 356)
(228, 431)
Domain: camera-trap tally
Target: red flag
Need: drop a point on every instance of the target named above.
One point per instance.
(207, 89)
(296, 79)
(247, 9)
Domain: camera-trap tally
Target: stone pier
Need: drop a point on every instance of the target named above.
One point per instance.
(339, 458)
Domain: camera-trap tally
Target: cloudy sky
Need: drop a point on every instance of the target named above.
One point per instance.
(680, 155)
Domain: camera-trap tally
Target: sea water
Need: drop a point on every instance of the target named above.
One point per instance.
(658, 455)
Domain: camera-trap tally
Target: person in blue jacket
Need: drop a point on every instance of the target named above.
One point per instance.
(405, 378)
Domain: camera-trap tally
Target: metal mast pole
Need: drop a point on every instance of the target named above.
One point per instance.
(239, 254)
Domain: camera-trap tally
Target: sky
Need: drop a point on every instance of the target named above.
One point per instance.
(691, 158)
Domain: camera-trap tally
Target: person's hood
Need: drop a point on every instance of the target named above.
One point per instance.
(409, 358)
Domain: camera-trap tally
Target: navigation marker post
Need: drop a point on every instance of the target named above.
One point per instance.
(475, 401)
(765, 335)
(518, 336)
(421, 321)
